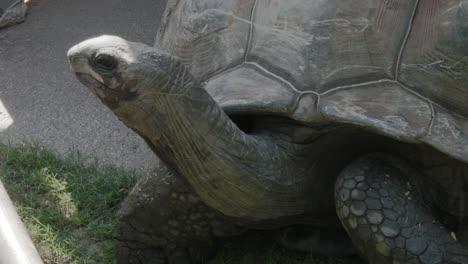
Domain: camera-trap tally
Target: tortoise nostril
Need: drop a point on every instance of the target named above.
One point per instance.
(74, 58)
(105, 62)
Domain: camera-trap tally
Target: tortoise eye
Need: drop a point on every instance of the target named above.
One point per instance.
(105, 62)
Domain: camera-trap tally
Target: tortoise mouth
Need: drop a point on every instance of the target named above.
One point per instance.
(89, 81)
(102, 90)
(97, 87)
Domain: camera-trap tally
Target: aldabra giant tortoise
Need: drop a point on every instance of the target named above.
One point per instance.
(276, 113)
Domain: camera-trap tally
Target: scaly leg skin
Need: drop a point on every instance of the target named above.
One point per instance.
(386, 218)
(163, 221)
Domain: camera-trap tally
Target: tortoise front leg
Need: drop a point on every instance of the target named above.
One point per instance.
(163, 221)
(387, 219)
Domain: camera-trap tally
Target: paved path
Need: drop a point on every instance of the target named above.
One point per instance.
(41, 98)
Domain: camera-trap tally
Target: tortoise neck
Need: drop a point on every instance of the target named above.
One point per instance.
(233, 172)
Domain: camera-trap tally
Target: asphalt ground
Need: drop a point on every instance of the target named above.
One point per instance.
(41, 100)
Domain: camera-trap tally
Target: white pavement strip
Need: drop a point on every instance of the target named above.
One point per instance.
(5, 118)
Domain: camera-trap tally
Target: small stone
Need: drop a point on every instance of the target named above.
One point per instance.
(416, 245)
(358, 208)
(375, 217)
(390, 229)
(357, 194)
(374, 228)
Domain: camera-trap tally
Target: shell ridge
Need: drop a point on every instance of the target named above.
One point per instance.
(251, 29)
(344, 87)
(433, 116)
(276, 77)
(405, 40)
(222, 71)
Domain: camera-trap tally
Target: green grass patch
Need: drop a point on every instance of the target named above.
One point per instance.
(69, 206)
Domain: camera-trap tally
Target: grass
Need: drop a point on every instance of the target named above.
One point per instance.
(69, 205)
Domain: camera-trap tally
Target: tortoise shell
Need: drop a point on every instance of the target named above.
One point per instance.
(396, 67)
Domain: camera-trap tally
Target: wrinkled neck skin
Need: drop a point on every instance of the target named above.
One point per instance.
(240, 175)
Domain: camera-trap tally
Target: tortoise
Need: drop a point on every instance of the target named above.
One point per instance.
(294, 115)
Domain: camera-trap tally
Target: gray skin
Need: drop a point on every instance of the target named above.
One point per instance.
(269, 114)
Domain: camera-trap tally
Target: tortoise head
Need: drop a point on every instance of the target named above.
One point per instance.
(114, 68)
